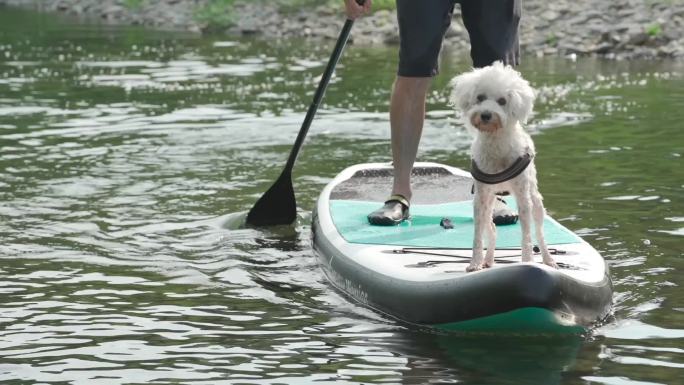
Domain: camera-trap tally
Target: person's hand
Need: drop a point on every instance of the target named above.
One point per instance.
(354, 10)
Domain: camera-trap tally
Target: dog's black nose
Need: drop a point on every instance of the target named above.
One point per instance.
(486, 116)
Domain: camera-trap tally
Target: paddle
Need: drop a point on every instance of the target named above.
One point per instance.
(278, 205)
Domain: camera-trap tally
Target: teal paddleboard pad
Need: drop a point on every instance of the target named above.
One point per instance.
(423, 229)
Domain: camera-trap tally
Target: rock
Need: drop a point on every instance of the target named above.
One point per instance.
(391, 39)
(670, 34)
(603, 48)
(666, 51)
(583, 18)
(626, 13)
(550, 51)
(332, 34)
(610, 38)
(638, 38)
(620, 28)
(549, 15)
(575, 49)
(384, 14)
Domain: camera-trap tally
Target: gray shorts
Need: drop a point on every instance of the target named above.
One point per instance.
(492, 26)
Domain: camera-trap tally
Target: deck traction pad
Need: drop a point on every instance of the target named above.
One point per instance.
(423, 229)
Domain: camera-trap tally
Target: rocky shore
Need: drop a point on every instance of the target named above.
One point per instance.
(616, 29)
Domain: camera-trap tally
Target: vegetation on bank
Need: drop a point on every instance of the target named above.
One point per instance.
(654, 30)
(220, 14)
(216, 14)
(133, 4)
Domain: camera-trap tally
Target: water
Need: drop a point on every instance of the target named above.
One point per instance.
(129, 158)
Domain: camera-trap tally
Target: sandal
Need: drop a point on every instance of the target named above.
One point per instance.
(503, 215)
(395, 211)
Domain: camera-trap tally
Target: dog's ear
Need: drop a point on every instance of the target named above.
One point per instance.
(521, 97)
(462, 90)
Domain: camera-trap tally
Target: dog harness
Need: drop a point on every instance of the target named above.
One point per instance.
(511, 172)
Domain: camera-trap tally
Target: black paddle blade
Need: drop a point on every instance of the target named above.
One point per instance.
(277, 206)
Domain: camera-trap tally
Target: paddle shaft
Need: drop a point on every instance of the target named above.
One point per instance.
(278, 205)
(318, 96)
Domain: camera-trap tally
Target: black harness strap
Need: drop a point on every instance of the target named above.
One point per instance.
(514, 170)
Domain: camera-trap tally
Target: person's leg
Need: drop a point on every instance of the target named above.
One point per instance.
(493, 29)
(422, 26)
(407, 112)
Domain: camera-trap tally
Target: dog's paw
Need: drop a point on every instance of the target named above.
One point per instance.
(550, 262)
(473, 267)
(487, 264)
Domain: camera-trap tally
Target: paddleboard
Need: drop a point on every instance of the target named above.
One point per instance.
(415, 271)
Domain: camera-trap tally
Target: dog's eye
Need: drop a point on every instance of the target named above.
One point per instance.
(501, 101)
(481, 98)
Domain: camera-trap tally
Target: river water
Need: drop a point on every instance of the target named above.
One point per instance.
(129, 158)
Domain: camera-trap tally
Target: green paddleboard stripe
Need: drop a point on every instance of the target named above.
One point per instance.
(423, 230)
(525, 320)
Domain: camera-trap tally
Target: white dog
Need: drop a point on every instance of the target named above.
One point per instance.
(495, 100)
